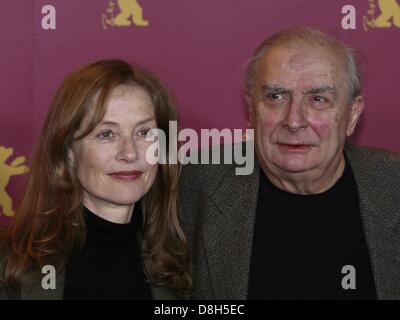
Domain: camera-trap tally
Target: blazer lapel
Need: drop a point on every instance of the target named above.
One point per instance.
(228, 234)
(384, 251)
(380, 224)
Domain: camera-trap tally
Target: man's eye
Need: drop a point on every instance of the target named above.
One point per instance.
(275, 96)
(106, 135)
(319, 99)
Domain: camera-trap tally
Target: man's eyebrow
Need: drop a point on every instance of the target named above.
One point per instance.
(273, 89)
(268, 88)
(325, 89)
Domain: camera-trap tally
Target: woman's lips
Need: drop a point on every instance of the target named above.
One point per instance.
(126, 175)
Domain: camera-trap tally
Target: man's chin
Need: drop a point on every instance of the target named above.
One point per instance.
(299, 166)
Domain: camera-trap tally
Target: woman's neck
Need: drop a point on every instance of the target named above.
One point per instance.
(121, 214)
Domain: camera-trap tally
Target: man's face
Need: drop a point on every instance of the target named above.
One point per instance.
(299, 109)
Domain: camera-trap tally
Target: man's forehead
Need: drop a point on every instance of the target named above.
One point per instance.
(305, 63)
(298, 61)
(305, 79)
(299, 56)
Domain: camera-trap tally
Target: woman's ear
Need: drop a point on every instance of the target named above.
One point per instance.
(71, 158)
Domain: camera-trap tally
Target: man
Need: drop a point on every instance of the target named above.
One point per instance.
(318, 218)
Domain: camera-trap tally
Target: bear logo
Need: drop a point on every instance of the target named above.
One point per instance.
(130, 12)
(389, 14)
(16, 167)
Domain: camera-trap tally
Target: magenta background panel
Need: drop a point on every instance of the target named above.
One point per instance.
(197, 47)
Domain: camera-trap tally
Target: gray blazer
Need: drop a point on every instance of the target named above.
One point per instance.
(31, 289)
(219, 211)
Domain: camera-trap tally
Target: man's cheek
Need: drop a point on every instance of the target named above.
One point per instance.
(265, 130)
(269, 126)
(269, 121)
(322, 127)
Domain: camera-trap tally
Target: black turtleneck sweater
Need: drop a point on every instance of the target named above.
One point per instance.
(302, 242)
(110, 265)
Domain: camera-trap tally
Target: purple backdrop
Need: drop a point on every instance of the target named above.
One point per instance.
(197, 47)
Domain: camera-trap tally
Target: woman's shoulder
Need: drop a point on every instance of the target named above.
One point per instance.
(3, 263)
(4, 293)
(163, 293)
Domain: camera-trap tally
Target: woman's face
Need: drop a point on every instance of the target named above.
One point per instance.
(111, 160)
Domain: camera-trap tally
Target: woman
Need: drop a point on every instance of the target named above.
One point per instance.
(94, 212)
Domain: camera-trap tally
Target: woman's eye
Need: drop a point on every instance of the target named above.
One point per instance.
(144, 132)
(106, 135)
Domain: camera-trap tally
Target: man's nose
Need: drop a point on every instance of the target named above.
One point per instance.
(128, 150)
(295, 116)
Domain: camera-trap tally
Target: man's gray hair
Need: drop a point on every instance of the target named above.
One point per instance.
(312, 37)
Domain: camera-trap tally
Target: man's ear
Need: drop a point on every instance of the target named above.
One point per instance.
(356, 110)
(249, 102)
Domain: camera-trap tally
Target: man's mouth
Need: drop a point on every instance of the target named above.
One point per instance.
(295, 146)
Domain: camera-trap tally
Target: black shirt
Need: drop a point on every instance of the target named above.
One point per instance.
(110, 264)
(302, 242)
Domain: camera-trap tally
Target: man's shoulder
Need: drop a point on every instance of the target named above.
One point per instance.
(205, 173)
(377, 171)
(220, 165)
(373, 154)
(235, 161)
(375, 161)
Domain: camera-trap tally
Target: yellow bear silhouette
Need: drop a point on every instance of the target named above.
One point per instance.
(389, 9)
(390, 14)
(130, 12)
(16, 167)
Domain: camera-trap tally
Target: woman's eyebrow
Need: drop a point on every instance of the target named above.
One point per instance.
(145, 120)
(113, 123)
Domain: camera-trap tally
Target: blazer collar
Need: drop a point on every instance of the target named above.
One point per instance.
(380, 223)
(228, 235)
